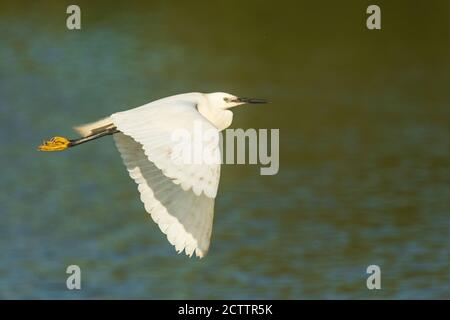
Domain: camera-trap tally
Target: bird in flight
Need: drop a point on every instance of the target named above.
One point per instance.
(179, 195)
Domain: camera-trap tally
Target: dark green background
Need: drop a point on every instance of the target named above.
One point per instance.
(364, 148)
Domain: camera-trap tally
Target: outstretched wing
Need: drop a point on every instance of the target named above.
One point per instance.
(178, 193)
(186, 218)
(169, 129)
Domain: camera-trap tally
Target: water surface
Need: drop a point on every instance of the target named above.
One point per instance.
(364, 149)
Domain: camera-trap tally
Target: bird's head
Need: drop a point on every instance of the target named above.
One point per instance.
(225, 100)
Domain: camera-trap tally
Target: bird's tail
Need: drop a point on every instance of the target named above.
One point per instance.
(85, 130)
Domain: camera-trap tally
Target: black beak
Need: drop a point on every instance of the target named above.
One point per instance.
(250, 100)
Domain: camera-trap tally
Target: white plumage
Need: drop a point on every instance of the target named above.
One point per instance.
(171, 150)
(179, 196)
(153, 125)
(186, 218)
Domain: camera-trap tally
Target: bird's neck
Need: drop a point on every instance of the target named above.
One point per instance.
(220, 118)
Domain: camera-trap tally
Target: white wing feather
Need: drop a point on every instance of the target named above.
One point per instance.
(186, 218)
(153, 126)
(178, 195)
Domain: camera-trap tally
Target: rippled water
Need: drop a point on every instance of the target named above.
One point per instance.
(364, 140)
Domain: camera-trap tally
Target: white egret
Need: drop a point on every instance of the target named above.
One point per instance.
(179, 197)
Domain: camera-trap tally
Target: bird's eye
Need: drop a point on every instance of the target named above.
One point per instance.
(226, 99)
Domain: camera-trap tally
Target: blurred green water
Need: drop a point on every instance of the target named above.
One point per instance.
(364, 138)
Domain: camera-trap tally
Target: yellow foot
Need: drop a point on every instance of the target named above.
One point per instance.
(55, 144)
